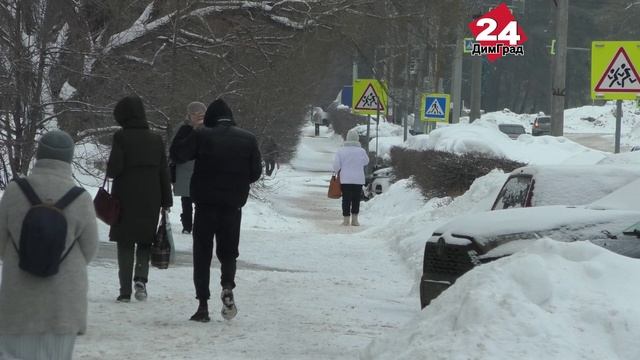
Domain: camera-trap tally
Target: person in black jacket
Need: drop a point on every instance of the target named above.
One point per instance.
(141, 182)
(227, 161)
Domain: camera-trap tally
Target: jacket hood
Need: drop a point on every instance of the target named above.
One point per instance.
(129, 113)
(216, 112)
(352, 135)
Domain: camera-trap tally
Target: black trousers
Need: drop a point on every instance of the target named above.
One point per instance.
(127, 253)
(223, 224)
(186, 218)
(270, 165)
(351, 195)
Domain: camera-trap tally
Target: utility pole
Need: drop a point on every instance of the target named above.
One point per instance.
(559, 68)
(405, 93)
(456, 85)
(476, 82)
(476, 88)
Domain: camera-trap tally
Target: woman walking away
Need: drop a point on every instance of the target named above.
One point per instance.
(183, 172)
(138, 166)
(45, 252)
(349, 163)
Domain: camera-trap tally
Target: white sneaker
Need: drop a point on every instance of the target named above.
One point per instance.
(354, 220)
(345, 222)
(229, 309)
(140, 291)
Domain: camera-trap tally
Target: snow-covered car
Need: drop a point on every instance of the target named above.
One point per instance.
(540, 185)
(512, 130)
(536, 201)
(378, 182)
(469, 241)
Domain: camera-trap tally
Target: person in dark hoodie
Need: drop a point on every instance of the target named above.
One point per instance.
(227, 162)
(141, 182)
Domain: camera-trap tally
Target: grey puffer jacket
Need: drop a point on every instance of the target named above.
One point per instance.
(56, 304)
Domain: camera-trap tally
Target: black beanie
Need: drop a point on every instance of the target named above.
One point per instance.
(216, 111)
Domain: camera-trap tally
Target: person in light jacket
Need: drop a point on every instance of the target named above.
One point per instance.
(184, 171)
(349, 163)
(41, 317)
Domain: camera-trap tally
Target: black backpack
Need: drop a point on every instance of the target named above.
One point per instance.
(44, 232)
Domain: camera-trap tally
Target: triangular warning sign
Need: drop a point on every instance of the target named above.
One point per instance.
(620, 76)
(435, 109)
(369, 100)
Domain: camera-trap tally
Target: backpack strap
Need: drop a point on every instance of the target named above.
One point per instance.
(28, 191)
(68, 197)
(68, 251)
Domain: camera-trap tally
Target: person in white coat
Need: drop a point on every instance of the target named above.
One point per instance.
(349, 163)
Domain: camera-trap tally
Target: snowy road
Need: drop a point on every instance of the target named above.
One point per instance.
(308, 288)
(602, 142)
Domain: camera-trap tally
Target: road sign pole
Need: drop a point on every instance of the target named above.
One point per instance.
(368, 132)
(618, 125)
(377, 135)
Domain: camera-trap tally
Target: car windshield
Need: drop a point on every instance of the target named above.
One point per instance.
(544, 120)
(511, 129)
(513, 193)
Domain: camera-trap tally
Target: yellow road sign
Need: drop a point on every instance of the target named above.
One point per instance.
(614, 74)
(369, 96)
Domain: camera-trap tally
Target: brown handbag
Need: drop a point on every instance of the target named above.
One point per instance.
(106, 205)
(335, 192)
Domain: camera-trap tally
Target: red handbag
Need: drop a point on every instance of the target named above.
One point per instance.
(106, 205)
(335, 191)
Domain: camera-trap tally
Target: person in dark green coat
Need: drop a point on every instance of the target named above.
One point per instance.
(141, 181)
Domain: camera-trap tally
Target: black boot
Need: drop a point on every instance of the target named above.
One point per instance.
(202, 314)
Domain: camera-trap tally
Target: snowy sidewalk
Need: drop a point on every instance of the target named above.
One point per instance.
(334, 290)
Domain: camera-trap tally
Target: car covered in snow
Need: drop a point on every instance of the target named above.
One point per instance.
(466, 242)
(377, 183)
(596, 203)
(562, 184)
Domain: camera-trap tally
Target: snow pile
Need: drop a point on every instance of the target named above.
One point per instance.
(581, 120)
(483, 136)
(552, 301)
(384, 129)
(401, 216)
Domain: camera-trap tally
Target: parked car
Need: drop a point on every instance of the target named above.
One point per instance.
(469, 241)
(541, 125)
(539, 185)
(635, 148)
(513, 130)
(537, 201)
(377, 183)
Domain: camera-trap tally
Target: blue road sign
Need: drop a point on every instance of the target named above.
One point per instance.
(435, 107)
(347, 95)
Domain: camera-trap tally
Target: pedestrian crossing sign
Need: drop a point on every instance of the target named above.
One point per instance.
(613, 70)
(369, 97)
(435, 107)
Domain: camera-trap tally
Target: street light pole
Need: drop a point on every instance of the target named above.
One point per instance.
(559, 68)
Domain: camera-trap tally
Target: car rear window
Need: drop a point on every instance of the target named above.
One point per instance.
(511, 129)
(544, 120)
